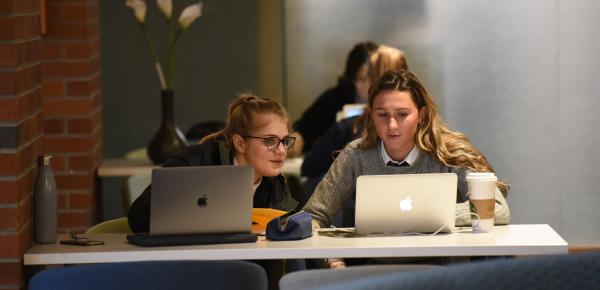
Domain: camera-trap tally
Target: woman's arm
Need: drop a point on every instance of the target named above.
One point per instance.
(334, 191)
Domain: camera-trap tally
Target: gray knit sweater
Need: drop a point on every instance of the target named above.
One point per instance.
(339, 184)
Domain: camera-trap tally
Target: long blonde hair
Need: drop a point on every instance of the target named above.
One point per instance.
(241, 117)
(449, 147)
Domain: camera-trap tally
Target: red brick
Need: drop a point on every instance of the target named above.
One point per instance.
(74, 181)
(54, 11)
(31, 128)
(52, 51)
(80, 50)
(20, 6)
(77, 12)
(13, 218)
(9, 54)
(18, 108)
(14, 245)
(81, 219)
(14, 164)
(10, 273)
(81, 200)
(8, 218)
(59, 144)
(71, 69)
(9, 110)
(14, 54)
(88, 162)
(81, 126)
(19, 27)
(83, 88)
(61, 30)
(11, 164)
(10, 246)
(25, 239)
(82, 162)
(53, 88)
(13, 191)
(59, 164)
(17, 81)
(62, 200)
(70, 107)
(54, 126)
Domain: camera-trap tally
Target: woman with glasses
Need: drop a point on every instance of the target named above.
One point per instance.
(257, 134)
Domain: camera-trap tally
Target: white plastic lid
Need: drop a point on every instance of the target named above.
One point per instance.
(482, 176)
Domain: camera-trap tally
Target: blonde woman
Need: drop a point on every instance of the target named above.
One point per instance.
(319, 159)
(403, 134)
(256, 133)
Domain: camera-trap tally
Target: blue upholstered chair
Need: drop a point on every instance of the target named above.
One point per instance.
(578, 271)
(153, 275)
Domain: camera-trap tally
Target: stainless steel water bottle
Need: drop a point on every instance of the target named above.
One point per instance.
(45, 199)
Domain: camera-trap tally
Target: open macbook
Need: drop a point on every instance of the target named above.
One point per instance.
(201, 200)
(405, 203)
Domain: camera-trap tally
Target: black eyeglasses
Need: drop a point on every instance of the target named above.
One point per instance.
(272, 143)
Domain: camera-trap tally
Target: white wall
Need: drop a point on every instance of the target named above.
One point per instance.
(519, 77)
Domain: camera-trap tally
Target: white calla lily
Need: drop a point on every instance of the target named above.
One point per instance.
(190, 14)
(139, 9)
(166, 7)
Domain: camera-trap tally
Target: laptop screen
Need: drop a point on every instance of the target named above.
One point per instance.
(201, 199)
(405, 203)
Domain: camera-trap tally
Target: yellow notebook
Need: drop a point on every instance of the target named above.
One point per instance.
(262, 216)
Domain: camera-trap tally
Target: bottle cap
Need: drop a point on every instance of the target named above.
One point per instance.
(44, 160)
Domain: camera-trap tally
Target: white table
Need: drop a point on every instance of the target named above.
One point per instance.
(504, 240)
(115, 167)
(124, 167)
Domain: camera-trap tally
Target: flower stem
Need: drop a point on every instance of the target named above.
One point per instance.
(170, 54)
(152, 50)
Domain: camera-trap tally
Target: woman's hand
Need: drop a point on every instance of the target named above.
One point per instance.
(337, 265)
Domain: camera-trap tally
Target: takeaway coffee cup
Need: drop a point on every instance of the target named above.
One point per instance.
(482, 187)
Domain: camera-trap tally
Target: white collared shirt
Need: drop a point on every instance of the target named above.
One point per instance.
(410, 158)
(256, 185)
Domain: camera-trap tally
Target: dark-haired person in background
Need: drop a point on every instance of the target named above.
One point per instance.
(351, 88)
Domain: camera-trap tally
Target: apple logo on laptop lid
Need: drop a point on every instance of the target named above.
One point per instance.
(406, 204)
(202, 201)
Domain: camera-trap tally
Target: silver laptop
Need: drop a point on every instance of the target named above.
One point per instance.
(405, 203)
(201, 200)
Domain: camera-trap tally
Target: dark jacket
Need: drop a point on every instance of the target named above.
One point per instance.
(321, 114)
(272, 192)
(319, 159)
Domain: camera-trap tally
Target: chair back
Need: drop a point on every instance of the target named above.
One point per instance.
(175, 275)
(134, 186)
(577, 271)
(312, 279)
(118, 225)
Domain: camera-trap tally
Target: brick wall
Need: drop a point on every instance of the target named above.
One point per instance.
(50, 102)
(72, 106)
(20, 132)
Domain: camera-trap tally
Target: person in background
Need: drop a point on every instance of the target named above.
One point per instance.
(351, 88)
(317, 161)
(403, 134)
(256, 133)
